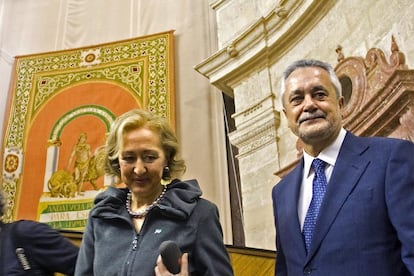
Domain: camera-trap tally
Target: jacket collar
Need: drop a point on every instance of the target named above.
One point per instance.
(179, 201)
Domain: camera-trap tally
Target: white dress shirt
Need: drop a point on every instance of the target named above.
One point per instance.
(328, 155)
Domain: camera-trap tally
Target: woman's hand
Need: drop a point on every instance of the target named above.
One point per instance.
(161, 270)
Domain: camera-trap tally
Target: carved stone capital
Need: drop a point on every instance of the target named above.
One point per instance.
(256, 127)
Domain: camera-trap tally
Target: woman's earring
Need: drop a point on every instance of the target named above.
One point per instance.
(166, 176)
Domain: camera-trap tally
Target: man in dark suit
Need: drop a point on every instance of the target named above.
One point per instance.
(362, 202)
(33, 248)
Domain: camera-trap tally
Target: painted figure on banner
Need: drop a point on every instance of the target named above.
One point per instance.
(81, 154)
(61, 184)
(83, 166)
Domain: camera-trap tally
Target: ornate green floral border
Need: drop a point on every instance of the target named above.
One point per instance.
(143, 65)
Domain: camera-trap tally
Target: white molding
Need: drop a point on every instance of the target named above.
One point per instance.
(263, 43)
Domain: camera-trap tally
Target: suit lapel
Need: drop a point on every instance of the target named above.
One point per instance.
(288, 205)
(349, 167)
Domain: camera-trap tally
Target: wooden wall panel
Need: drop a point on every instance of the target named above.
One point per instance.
(252, 262)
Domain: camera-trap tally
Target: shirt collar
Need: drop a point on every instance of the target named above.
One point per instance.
(329, 154)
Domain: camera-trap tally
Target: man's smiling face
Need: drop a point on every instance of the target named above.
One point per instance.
(312, 107)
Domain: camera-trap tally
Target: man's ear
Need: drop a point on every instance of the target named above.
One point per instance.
(341, 102)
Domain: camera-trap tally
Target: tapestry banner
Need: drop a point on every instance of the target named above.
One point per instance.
(61, 105)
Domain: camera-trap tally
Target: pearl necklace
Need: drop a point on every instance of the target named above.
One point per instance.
(143, 213)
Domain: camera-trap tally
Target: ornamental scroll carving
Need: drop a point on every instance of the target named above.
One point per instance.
(379, 96)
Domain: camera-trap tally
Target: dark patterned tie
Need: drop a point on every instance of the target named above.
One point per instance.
(318, 191)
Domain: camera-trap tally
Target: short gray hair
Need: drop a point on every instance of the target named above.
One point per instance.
(310, 63)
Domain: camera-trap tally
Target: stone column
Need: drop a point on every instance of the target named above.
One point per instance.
(256, 139)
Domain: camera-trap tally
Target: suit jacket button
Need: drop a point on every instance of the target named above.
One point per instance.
(307, 270)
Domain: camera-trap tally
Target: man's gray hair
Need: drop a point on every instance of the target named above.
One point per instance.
(310, 63)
